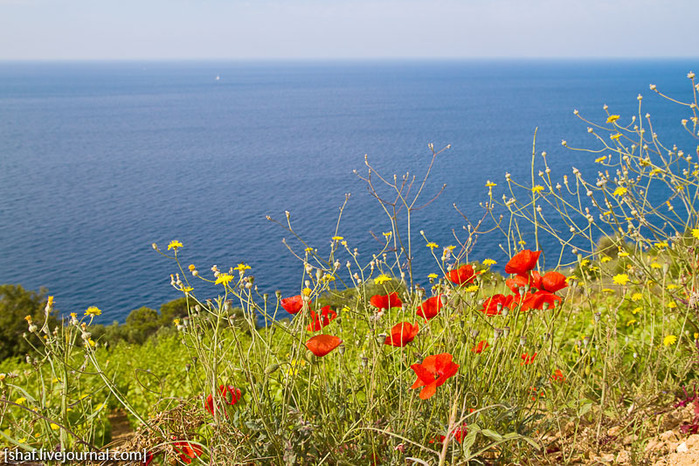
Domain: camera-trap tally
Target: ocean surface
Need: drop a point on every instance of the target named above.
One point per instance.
(99, 160)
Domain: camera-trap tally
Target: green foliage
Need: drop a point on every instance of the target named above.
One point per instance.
(141, 323)
(175, 309)
(15, 304)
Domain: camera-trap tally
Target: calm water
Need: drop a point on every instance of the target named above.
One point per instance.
(99, 160)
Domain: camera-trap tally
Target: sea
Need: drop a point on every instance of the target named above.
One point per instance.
(98, 160)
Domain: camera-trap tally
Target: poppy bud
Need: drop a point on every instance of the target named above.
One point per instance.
(271, 368)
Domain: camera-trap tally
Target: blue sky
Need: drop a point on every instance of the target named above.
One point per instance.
(345, 29)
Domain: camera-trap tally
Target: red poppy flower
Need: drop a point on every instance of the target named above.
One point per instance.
(229, 394)
(386, 301)
(516, 282)
(327, 315)
(402, 334)
(527, 359)
(433, 372)
(522, 262)
(538, 299)
(430, 308)
(558, 376)
(188, 451)
(480, 347)
(458, 433)
(293, 304)
(553, 281)
(462, 275)
(493, 306)
(320, 345)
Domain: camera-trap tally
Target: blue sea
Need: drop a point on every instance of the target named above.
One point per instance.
(99, 160)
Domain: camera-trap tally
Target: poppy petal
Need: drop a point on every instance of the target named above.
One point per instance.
(320, 345)
(522, 262)
(293, 304)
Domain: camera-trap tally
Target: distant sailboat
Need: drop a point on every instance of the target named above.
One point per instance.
(218, 77)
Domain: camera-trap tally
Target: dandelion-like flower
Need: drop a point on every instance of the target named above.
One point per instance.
(669, 340)
(93, 311)
(620, 279)
(223, 279)
(383, 278)
(174, 244)
(612, 118)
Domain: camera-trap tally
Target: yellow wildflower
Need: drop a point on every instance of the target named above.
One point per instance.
(605, 259)
(636, 310)
(584, 262)
(615, 137)
(328, 278)
(383, 278)
(489, 262)
(636, 297)
(619, 191)
(672, 286)
(309, 249)
(187, 289)
(612, 118)
(695, 232)
(242, 267)
(672, 305)
(337, 238)
(607, 290)
(387, 234)
(661, 245)
(223, 278)
(623, 254)
(49, 302)
(91, 342)
(696, 335)
(28, 318)
(192, 267)
(54, 426)
(93, 311)
(174, 244)
(307, 291)
(490, 184)
(21, 400)
(73, 315)
(449, 248)
(600, 159)
(472, 289)
(669, 340)
(432, 245)
(620, 279)
(433, 276)
(537, 188)
(176, 321)
(655, 265)
(631, 322)
(522, 242)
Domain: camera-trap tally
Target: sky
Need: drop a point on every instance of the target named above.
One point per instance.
(345, 29)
